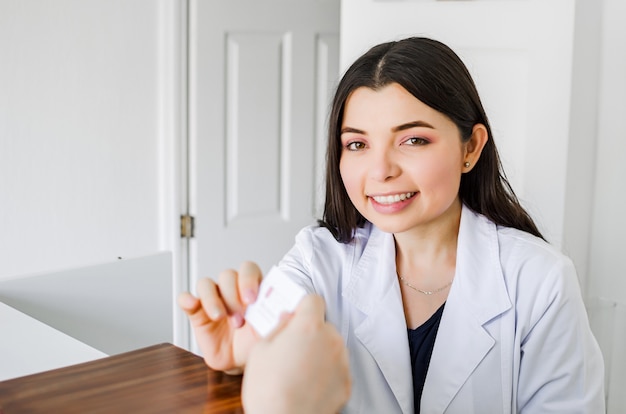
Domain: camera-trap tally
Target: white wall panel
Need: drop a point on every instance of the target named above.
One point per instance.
(257, 80)
(501, 76)
(79, 118)
(607, 269)
(326, 79)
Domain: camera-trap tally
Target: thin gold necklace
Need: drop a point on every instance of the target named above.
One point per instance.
(425, 292)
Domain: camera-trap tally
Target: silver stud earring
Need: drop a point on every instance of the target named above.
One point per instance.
(467, 164)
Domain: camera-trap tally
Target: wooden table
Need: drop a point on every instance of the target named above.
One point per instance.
(158, 379)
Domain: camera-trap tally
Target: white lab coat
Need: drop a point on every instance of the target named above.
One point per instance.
(514, 335)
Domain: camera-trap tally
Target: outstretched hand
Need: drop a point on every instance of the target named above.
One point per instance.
(300, 367)
(217, 316)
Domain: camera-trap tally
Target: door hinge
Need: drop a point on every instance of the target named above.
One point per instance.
(186, 226)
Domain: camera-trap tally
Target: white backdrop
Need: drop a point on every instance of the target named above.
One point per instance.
(89, 118)
(83, 174)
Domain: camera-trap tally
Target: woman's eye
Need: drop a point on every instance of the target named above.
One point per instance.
(416, 141)
(355, 146)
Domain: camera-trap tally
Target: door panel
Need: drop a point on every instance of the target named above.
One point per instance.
(259, 82)
(327, 71)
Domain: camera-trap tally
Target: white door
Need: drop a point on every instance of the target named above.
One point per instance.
(260, 76)
(520, 55)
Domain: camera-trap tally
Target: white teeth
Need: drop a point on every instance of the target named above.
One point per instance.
(390, 199)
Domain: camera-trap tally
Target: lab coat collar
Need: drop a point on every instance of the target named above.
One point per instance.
(374, 290)
(478, 294)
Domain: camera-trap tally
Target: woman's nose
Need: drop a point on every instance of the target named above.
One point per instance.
(383, 165)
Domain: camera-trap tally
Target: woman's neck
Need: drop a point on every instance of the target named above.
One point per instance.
(427, 253)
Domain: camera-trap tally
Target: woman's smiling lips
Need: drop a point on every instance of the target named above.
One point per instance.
(391, 203)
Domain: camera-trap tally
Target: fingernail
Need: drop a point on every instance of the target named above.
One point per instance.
(236, 320)
(248, 296)
(215, 313)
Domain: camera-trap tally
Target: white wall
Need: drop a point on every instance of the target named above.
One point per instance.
(581, 149)
(83, 176)
(607, 268)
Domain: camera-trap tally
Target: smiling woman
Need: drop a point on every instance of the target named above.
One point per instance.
(430, 90)
(447, 297)
(390, 162)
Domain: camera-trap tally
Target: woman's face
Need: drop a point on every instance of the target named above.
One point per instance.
(401, 160)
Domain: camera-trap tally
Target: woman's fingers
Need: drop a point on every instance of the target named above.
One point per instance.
(188, 303)
(209, 296)
(229, 291)
(194, 310)
(250, 277)
(216, 314)
(191, 306)
(238, 289)
(230, 296)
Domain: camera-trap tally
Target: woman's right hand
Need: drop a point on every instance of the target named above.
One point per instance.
(217, 317)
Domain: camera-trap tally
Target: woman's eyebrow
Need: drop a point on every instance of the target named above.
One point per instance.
(353, 130)
(408, 125)
(414, 124)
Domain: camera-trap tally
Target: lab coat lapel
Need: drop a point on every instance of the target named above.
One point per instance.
(374, 290)
(478, 295)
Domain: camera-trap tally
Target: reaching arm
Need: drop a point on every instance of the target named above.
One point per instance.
(301, 367)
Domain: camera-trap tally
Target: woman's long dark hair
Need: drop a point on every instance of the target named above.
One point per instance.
(435, 75)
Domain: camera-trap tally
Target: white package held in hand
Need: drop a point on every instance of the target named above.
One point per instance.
(277, 294)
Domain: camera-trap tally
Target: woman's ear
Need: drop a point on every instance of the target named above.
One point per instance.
(474, 146)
